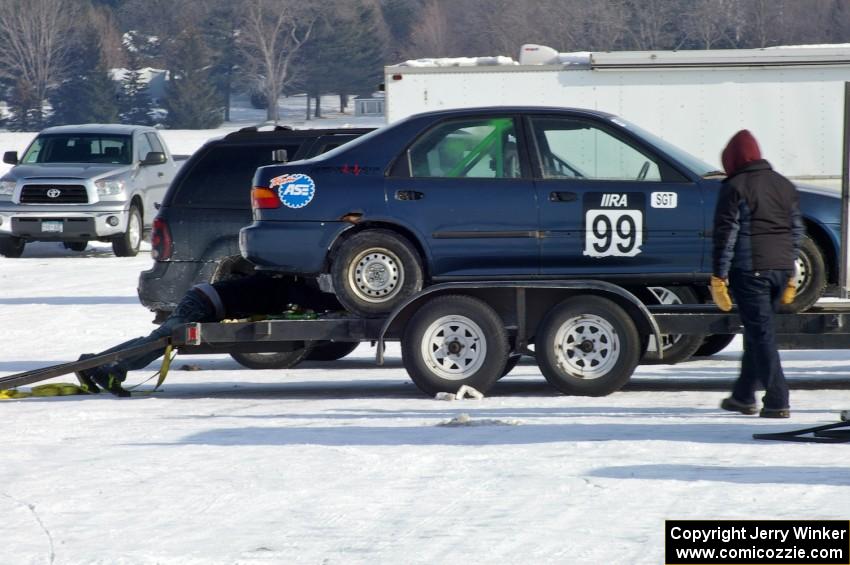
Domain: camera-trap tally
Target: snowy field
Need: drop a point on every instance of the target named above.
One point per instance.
(346, 462)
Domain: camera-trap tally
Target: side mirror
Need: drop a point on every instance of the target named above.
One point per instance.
(10, 157)
(280, 156)
(154, 158)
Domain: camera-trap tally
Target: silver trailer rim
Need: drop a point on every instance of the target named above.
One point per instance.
(664, 296)
(134, 230)
(454, 347)
(376, 275)
(587, 346)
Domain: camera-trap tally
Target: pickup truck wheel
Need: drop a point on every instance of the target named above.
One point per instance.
(330, 350)
(452, 341)
(76, 245)
(12, 247)
(714, 344)
(587, 346)
(675, 348)
(127, 244)
(277, 360)
(810, 275)
(374, 271)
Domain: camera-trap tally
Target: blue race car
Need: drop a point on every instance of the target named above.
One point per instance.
(504, 193)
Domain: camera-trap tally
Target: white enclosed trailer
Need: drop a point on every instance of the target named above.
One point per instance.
(791, 98)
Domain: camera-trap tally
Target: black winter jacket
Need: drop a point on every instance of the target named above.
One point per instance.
(757, 222)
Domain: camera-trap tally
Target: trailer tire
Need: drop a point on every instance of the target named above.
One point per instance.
(12, 247)
(330, 350)
(588, 346)
(714, 343)
(810, 274)
(394, 265)
(276, 360)
(675, 348)
(511, 364)
(452, 341)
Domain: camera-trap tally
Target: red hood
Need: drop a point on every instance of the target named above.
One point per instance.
(741, 150)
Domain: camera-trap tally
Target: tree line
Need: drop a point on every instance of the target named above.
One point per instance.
(57, 56)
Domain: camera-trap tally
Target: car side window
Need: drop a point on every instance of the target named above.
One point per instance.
(144, 147)
(571, 148)
(154, 142)
(471, 148)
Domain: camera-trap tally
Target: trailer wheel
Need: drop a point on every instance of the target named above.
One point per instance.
(587, 346)
(330, 350)
(810, 275)
(236, 267)
(374, 271)
(511, 364)
(12, 247)
(276, 360)
(675, 348)
(452, 341)
(714, 344)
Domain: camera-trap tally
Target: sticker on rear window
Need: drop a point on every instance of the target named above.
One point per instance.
(294, 191)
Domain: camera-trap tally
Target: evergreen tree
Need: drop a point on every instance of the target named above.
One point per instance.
(88, 95)
(24, 107)
(136, 104)
(190, 97)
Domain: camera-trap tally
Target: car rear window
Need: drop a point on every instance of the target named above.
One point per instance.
(222, 177)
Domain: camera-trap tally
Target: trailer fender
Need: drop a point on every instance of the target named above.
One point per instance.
(633, 306)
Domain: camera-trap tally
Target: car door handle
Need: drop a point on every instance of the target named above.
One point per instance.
(160, 174)
(562, 196)
(408, 195)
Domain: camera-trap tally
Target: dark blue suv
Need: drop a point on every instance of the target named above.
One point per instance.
(503, 193)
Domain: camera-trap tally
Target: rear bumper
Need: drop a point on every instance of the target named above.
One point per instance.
(162, 286)
(292, 247)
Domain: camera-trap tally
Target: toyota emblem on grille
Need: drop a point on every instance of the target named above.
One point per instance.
(54, 193)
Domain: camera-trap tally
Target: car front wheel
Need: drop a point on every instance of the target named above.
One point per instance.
(12, 247)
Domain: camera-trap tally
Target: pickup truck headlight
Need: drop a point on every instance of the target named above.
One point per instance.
(7, 187)
(108, 187)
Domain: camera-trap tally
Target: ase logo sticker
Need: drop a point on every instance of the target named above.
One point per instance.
(294, 191)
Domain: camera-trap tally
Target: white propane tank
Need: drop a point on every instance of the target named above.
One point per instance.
(531, 54)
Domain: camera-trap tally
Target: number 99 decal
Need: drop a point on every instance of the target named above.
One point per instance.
(613, 233)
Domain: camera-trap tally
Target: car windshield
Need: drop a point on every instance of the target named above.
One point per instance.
(695, 164)
(79, 148)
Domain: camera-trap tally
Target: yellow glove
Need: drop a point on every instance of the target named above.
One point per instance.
(720, 294)
(789, 293)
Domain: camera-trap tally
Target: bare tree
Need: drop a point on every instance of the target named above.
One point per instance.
(710, 22)
(431, 36)
(272, 33)
(34, 42)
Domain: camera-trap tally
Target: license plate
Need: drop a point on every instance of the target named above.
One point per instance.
(55, 227)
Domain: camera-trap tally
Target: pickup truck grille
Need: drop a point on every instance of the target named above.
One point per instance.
(44, 194)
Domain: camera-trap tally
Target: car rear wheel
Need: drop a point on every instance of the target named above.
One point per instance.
(452, 341)
(810, 276)
(587, 346)
(12, 247)
(127, 244)
(714, 344)
(276, 360)
(330, 350)
(374, 271)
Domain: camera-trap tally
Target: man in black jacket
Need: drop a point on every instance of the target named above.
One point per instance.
(757, 234)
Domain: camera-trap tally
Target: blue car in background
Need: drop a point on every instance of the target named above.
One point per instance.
(505, 193)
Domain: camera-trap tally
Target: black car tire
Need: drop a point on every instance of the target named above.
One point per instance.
(675, 348)
(12, 247)
(391, 260)
(810, 274)
(127, 244)
(452, 341)
(78, 246)
(277, 360)
(714, 344)
(511, 364)
(587, 346)
(330, 350)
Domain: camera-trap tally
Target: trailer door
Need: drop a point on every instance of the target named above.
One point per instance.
(609, 206)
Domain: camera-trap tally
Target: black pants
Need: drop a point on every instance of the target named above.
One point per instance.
(757, 295)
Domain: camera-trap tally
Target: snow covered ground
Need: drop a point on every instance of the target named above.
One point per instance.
(346, 462)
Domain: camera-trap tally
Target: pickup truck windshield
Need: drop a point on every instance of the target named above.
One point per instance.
(80, 148)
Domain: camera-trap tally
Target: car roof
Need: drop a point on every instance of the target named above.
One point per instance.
(114, 129)
(249, 133)
(514, 110)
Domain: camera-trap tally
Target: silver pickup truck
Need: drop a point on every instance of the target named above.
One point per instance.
(80, 183)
